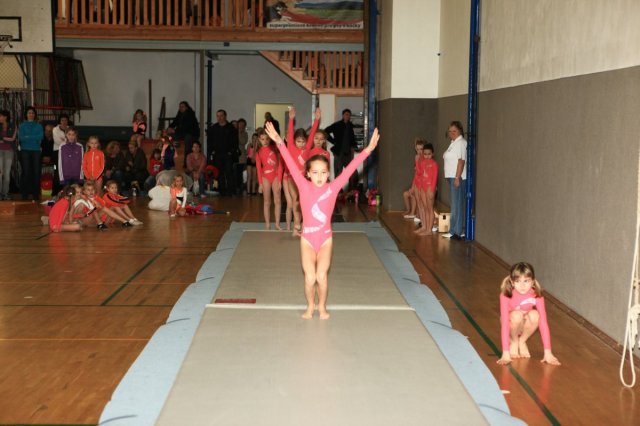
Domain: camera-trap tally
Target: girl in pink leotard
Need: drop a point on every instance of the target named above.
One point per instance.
(269, 177)
(522, 311)
(317, 199)
(426, 188)
(299, 145)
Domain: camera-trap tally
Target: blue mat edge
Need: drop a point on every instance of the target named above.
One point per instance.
(139, 397)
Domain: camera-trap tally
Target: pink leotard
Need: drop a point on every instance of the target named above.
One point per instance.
(523, 303)
(268, 164)
(317, 203)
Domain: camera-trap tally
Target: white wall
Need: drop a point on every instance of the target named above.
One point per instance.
(455, 16)
(532, 41)
(409, 46)
(118, 84)
(241, 81)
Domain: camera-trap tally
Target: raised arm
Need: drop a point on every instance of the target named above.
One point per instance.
(314, 128)
(290, 127)
(294, 171)
(353, 165)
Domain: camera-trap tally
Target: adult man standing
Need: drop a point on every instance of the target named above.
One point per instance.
(222, 151)
(342, 137)
(268, 118)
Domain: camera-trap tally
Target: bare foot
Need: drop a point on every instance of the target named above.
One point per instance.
(278, 227)
(424, 231)
(308, 314)
(523, 349)
(417, 231)
(267, 226)
(513, 350)
(324, 315)
(295, 233)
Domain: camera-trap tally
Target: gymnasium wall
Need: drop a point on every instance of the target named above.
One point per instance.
(118, 84)
(557, 144)
(409, 34)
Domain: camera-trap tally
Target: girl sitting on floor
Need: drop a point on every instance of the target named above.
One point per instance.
(113, 200)
(178, 201)
(60, 216)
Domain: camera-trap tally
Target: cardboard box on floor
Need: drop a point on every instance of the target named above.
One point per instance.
(444, 221)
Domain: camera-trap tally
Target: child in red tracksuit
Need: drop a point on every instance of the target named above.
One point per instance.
(119, 203)
(93, 162)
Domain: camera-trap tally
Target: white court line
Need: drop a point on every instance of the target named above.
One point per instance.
(303, 307)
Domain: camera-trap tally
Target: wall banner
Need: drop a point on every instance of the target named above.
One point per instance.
(315, 14)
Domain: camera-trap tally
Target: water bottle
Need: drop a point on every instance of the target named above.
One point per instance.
(134, 191)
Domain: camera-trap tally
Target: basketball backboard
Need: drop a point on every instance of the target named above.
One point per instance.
(29, 24)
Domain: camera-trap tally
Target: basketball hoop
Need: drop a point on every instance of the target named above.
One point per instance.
(5, 41)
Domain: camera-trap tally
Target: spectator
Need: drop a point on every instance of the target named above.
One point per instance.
(114, 163)
(268, 118)
(455, 172)
(46, 146)
(70, 159)
(185, 127)
(240, 165)
(7, 149)
(59, 138)
(30, 134)
(136, 171)
(139, 126)
(341, 135)
(196, 162)
(222, 145)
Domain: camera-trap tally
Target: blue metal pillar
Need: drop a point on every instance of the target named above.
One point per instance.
(370, 95)
(472, 117)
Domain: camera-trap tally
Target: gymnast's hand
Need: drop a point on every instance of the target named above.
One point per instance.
(271, 132)
(373, 142)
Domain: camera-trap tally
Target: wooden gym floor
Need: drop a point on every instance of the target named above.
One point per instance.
(76, 310)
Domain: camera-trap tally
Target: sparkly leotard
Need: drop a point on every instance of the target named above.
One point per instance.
(268, 164)
(317, 203)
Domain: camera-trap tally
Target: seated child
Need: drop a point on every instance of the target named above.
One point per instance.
(178, 202)
(113, 200)
(60, 219)
(155, 166)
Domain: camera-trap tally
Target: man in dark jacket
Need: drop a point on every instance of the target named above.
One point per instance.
(342, 137)
(222, 151)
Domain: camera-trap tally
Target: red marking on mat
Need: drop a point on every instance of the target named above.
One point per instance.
(235, 301)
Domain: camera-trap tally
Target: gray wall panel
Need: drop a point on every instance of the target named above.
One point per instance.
(557, 186)
(400, 122)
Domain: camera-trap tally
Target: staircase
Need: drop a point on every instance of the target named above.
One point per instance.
(322, 72)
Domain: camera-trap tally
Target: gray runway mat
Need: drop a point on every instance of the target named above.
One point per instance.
(270, 367)
(264, 365)
(266, 267)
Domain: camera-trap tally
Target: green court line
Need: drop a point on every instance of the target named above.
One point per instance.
(133, 277)
(532, 394)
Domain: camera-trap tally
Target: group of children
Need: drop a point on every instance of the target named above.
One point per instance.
(522, 307)
(266, 170)
(79, 206)
(420, 197)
